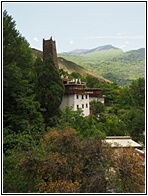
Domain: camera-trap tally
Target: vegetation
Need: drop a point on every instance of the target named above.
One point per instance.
(49, 88)
(46, 150)
(70, 66)
(113, 64)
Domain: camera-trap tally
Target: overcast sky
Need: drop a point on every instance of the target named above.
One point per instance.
(81, 25)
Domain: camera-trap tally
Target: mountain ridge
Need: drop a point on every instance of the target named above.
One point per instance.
(114, 64)
(99, 48)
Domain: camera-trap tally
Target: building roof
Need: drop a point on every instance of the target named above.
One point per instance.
(121, 141)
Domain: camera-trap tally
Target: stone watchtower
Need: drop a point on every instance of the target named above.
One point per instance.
(49, 47)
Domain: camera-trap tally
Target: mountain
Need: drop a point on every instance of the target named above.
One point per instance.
(70, 66)
(87, 51)
(78, 51)
(111, 63)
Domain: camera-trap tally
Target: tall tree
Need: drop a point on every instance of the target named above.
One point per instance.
(133, 95)
(138, 92)
(50, 89)
(15, 47)
(21, 110)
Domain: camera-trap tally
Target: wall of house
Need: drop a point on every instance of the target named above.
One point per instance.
(67, 101)
(82, 101)
(76, 101)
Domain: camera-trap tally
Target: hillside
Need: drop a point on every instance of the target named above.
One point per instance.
(110, 62)
(70, 66)
(37, 53)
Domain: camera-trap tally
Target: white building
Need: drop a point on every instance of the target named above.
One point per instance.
(77, 96)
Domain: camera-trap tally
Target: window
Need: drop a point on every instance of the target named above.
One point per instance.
(82, 97)
(82, 105)
(86, 96)
(86, 105)
(77, 106)
(77, 96)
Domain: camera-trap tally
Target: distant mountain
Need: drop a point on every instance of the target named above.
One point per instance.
(78, 51)
(86, 51)
(70, 66)
(111, 63)
(106, 47)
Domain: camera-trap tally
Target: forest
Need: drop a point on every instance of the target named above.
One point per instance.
(46, 150)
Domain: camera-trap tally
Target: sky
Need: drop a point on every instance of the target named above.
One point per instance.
(85, 25)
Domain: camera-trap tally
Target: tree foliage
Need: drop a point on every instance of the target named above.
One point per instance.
(62, 163)
(50, 89)
(65, 164)
(21, 109)
(96, 107)
(128, 172)
(69, 155)
(85, 127)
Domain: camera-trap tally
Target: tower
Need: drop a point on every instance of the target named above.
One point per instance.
(49, 47)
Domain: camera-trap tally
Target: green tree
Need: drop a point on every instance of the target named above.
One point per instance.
(131, 108)
(85, 127)
(110, 90)
(76, 75)
(92, 82)
(112, 125)
(21, 110)
(96, 107)
(50, 90)
(133, 95)
(13, 181)
(22, 119)
(37, 69)
(136, 124)
(15, 47)
(138, 92)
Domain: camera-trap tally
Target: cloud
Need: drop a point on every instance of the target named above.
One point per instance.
(124, 45)
(121, 33)
(35, 39)
(115, 37)
(71, 42)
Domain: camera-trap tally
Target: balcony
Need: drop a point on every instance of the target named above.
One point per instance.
(75, 91)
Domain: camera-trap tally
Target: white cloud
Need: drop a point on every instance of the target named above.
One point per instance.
(124, 45)
(121, 33)
(115, 37)
(71, 42)
(35, 39)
